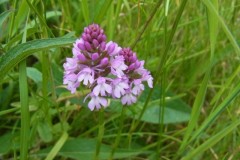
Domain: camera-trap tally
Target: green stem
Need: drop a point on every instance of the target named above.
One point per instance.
(100, 133)
(162, 103)
(25, 114)
(25, 125)
(117, 140)
(162, 106)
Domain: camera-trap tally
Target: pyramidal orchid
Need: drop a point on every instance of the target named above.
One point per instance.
(108, 70)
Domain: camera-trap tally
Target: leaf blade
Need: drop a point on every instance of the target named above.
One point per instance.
(22, 51)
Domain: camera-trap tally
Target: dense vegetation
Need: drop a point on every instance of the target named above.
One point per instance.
(190, 47)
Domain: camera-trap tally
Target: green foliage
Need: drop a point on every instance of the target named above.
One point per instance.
(190, 47)
(78, 148)
(22, 51)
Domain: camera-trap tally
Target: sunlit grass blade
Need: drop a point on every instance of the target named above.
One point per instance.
(21, 15)
(52, 154)
(212, 141)
(226, 86)
(213, 26)
(196, 110)
(114, 22)
(212, 117)
(85, 11)
(223, 25)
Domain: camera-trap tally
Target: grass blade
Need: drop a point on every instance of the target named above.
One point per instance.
(4, 16)
(57, 146)
(147, 23)
(212, 117)
(41, 19)
(102, 12)
(25, 114)
(195, 111)
(8, 111)
(213, 25)
(214, 12)
(212, 141)
(85, 11)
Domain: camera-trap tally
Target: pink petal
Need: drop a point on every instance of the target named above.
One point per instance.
(123, 85)
(81, 77)
(124, 99)
(91, 104)
(108, 88)
(102, 91)
(103, 102)
(96, 90)
(117, 93)
(85, 81)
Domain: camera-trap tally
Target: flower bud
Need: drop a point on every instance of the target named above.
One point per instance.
(81, 46)
(104, 61)
(81, 57)
(87, 46)
(95, 56)
(95, 43)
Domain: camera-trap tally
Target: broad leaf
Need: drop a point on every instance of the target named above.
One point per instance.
(85, 149)
(175, 111)
(9, 141)
(44, 131)
(34, 74)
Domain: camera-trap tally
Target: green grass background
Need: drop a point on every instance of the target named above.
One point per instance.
(190, 47)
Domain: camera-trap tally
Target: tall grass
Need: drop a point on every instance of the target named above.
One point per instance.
(191, 48)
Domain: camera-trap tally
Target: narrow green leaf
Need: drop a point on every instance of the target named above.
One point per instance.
(25, 114)
(212, 141)
(54, 151)
(22, 51)
(21, 16)
(8, 111)
(4, 16)
(85, 10)
(42, 21)
(198, 102)
(102, 12)
(224, 26)
(212, 117)
(17, 38)
(213, 25)
(225, 86)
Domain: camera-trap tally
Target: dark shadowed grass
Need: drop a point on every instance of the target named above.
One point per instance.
(191, 48)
